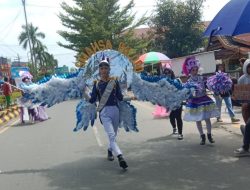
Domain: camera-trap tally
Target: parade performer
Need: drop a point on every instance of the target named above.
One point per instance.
(245, 79)
(222, 85)
(107, 91)
(175, 115)
(35, 112)
(159, 90)
(200, 106)
(25, 103)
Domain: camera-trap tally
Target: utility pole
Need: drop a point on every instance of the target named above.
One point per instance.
(17, 59)
(29, 40)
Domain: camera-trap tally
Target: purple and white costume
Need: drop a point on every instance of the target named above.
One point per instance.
(200, 107)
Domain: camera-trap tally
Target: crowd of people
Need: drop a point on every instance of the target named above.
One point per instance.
(199, 107)
(202, 107)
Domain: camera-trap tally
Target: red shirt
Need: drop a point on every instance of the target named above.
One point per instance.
(6, 88)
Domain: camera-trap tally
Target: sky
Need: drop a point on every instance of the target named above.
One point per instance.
(44, 15)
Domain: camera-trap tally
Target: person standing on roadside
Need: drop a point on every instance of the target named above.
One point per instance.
(7, 91)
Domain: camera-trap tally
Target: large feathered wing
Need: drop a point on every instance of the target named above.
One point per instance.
(85, 114)
(56, 90)
(167, 93)
(127, 116)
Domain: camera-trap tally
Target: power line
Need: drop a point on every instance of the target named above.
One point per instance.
(42, 6)
(10, 25)
(4, 27)
(46, 6)
(20, 45)
(9, 50)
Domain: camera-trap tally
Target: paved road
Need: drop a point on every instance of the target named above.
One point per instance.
(49, 156)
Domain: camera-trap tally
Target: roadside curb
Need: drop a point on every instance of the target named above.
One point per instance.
(9, 114)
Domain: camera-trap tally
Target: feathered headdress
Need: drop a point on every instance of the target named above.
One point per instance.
(189, 63)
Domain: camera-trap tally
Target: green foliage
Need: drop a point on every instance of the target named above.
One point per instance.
(178, 27)
(43, 59)
(92, 20)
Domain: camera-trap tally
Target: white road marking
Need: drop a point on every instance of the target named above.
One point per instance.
(97, 136)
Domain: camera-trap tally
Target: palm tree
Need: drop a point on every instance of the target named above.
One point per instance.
(34, 35)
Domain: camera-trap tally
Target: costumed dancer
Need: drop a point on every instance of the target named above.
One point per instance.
(107, 91)
(245, 79)
(41, 114)
(200, 106)
(175, 115)
(35, 112)
(24, 86)
(226, 96)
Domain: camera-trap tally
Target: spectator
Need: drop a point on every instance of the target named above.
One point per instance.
(226, 96)
(242, 60)
(6, 88)
(245, 79)
(175, 115)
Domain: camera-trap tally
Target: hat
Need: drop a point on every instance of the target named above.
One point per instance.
(189, 63)
(104, 61)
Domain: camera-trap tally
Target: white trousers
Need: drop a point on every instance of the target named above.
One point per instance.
(110, 120)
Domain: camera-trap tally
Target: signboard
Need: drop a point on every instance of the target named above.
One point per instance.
(242, 92)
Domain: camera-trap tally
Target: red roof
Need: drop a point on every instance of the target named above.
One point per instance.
(243, 38)
(142, 32)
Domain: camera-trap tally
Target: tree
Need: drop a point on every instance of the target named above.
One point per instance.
(92, 20)
(43, 60)
(35, 42)
(178, 28)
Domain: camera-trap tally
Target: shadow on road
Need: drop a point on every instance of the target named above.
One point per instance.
(160, 163)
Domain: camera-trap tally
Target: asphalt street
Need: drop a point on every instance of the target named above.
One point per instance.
(50, 156)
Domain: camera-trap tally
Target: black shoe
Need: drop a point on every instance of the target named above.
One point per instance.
(203, 139)
(175, 131)
(122, 162)
(180, 137)
(210, 138)
(110, 156)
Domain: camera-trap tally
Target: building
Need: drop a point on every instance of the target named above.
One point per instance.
(5, 67)
(229, 49)
(19, 64)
